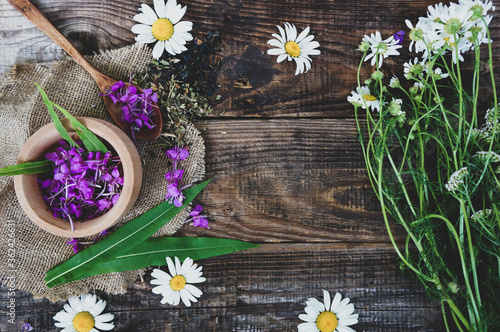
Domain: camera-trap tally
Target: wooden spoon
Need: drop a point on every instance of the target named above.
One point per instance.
(104, 82)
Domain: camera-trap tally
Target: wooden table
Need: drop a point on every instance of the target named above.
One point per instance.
(286, 166)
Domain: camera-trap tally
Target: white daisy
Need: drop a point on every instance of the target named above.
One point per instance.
(83, 314)
(413, 69)
(477, 7)
(332, 315)
(163, 27)
(362, 97)
(381, 49)
(290, 46)
(177, 286)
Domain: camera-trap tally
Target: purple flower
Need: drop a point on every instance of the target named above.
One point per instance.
(398, 36)
(174, 194)
(137, 106)
(75, 243)
(174, 177)
(83, 185)
(196, 211)
(26, 327)
(177, 154)
(198, 219)
(200, 222)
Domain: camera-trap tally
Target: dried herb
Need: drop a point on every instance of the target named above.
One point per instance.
(185, 85)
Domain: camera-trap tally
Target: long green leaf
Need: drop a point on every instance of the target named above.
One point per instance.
(91, 142)
(28, 168)
(59, 126)
(122, 240)
(153, 252)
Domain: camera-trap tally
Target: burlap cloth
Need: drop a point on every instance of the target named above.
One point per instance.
(22, 113)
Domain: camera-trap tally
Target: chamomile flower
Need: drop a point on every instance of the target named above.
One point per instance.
(414, 68)
(381, 49)
(83, 314)
(329, 316)
(477, 7)
(362, 97)
(163, 26)
(176, 286)
(394, 82)
(291, 46)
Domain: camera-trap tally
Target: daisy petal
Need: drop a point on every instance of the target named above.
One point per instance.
(341, 328)
(281, 57)
(276, 51)
(141, 28)
(171, 266)
(158, 49)
(302, 35)
(144, 19)
(149, 11)
(326, 299)
(160, 7)
(335, 303)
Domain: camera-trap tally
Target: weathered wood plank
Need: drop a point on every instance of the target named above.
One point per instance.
(247, 26)
(288, 180)
(265, 289)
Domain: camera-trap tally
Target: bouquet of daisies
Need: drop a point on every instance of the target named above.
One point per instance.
(431, 143)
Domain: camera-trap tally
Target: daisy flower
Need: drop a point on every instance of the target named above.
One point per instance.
(83, 314)
(177, 286)
(414, 68)
(293, 47)
(163, 26)
(477, 7)
(332, 315)
(362, 97)
(381, 49)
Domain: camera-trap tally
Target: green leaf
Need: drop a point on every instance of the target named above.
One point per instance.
(28, 168)
(119, 242)
(153, 252)
(91, 142)
(59, 126)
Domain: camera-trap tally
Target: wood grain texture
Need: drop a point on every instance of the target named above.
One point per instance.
(288, 180)
(265, 289)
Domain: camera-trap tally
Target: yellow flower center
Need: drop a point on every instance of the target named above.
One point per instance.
(327, 321)
(292, 48)
(369, 97)
(177, 282)
(162, 29)
(83, 321)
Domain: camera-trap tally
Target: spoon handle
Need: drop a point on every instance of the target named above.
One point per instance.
(41, 22)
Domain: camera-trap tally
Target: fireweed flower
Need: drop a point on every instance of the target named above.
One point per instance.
(381, 49)
(330, 316)
(197, 218)
(26, 327)
(399, 36)
(293, 47)
(176, 286)
(394, 82)
(84, 314)
(363, 98)
(163, 25)
(77, 244)
(80, 183)
(137, 106)
(174, 177)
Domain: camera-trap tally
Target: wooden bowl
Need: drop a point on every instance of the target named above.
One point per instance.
(30, 196)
